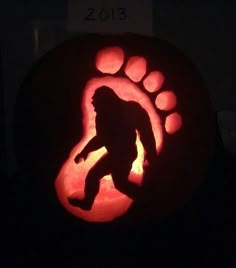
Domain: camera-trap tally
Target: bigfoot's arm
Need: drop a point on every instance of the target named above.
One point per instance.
(146, 136)
(94, 144)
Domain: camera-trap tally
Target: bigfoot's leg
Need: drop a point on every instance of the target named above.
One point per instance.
(92, 184)
(120, 178)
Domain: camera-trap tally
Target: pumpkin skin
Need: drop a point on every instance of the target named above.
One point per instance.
(49, 123)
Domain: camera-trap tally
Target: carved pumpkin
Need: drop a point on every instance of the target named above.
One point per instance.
(55, 119)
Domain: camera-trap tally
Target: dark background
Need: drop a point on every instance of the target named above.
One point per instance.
(202, 234)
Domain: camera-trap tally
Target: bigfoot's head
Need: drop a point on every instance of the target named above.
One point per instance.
(105, 99)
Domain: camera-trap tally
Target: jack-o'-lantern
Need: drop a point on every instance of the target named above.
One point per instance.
(114, 126)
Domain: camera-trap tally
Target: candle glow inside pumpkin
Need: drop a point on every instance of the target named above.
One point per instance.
(110, 203)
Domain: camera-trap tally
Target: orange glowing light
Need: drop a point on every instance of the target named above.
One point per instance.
(109, 203)
(153, 81)
(109, 60)
(173, 123)
(136, 68)
(166, 101)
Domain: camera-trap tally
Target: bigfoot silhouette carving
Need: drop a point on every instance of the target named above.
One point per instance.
(117, 124)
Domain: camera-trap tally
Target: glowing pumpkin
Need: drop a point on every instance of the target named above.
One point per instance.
(157, 84)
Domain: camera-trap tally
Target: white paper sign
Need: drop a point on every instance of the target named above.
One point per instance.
(110, 16)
